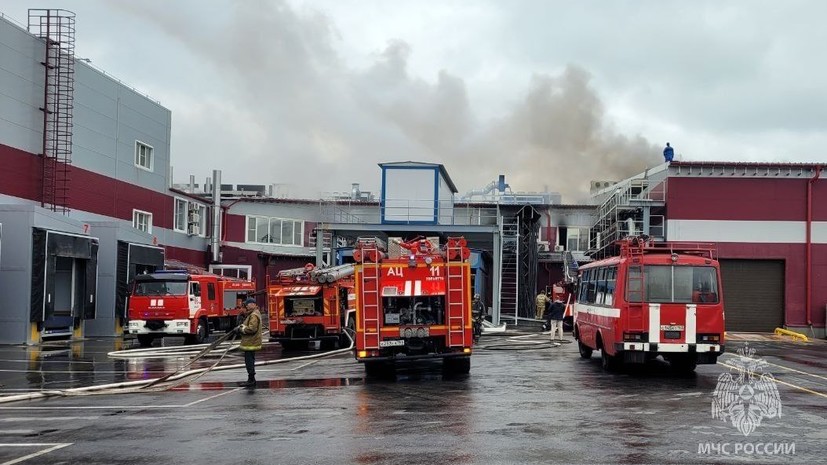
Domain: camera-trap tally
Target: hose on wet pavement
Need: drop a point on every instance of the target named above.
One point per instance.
(520, 342)
(154, 385)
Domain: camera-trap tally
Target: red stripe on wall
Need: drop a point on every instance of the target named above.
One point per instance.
(743, 199)
(193, 257)
(88, 191)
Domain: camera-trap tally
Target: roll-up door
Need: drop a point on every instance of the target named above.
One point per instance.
(134, 259)
(753, 294)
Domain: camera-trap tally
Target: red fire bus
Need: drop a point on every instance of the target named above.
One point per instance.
(652, 299)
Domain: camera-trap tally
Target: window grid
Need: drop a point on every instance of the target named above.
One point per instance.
(142, 221)
(277, 231)
(143, 155)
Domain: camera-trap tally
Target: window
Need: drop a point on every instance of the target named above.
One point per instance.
(278, 231)
(611, 280)
(181, 207)
(210, 291)
(143, 155)
(202, 220)
(680, 284)
(142, 221)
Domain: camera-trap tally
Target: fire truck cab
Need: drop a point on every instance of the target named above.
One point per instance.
(413, 305)
(177, 303)
(311, 304)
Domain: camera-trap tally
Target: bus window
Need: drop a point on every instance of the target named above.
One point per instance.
(601, 286)
(611, 280)
(659, 284)
(678, 284)
(590, 297)
(584, 287)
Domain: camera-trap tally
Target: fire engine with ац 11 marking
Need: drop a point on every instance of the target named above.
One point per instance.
(413, 306)
(652, 299)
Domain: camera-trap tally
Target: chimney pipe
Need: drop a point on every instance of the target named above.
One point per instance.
(208, 186)
(216, 216)
(355, 194)
(192, 184)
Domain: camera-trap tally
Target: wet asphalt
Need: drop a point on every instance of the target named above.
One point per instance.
(524, 402)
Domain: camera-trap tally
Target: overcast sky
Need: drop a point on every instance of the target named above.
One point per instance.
(313, 94)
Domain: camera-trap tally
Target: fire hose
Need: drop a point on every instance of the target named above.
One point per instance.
(152, 385)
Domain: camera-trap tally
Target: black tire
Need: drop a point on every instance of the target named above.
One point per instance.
(291, 345)
(145, 340)
(585, 351)
(609, 363)
(683, 364)
(456, 365)
(377, 369)
(201, 334)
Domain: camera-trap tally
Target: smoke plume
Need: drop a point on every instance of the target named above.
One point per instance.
(286, 108)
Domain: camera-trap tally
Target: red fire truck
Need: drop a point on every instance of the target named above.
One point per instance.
(652, 299)
(414, 304)
(311, 304)
(178, 303)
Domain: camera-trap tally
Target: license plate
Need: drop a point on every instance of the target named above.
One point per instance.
(289, 322)
(392, 343)
(671, 327)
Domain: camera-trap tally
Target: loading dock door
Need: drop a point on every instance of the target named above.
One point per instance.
(134, 259)
(64, 278)
(753, 294)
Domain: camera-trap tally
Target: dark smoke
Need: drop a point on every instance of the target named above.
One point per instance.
(294, 112)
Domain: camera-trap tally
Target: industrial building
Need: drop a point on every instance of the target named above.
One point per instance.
(87, 201)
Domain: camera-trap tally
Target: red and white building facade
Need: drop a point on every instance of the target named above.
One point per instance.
(769, 222)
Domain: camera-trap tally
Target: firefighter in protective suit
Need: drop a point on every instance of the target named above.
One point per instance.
(541, 302)
(250, 332)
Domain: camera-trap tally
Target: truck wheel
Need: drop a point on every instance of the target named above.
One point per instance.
(145, 340)
(289, 345)
(456, 365)
(200, 335)
(378, 369)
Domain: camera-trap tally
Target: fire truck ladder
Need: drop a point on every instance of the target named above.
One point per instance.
(456, 294)
(636, 283)
(370, 298)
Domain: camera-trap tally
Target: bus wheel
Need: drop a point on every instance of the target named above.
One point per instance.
(683, 364)
(608, 362)
(145, 340)
(585, 351)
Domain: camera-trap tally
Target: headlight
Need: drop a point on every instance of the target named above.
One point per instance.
(420, 332)
(408, 332)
